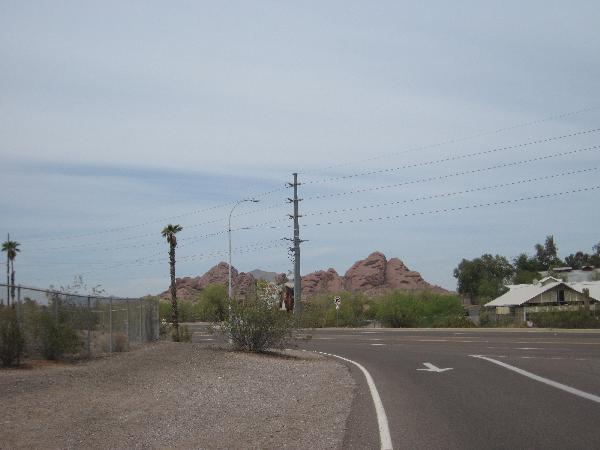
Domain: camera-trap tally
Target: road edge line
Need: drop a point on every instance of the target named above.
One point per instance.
(384, 430)
(547, 381)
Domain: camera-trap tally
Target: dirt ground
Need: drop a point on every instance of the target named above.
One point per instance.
(176, 395)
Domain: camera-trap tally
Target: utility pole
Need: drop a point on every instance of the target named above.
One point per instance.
(296, 248)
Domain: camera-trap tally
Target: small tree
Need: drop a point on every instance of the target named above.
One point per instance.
(12, 342)
(257, 326)
(483, 278)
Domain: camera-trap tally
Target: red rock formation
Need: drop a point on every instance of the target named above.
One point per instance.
(367, 274)
(321, 282)
(371, 276)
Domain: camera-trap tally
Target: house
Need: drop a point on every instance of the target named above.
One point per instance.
(548, 294)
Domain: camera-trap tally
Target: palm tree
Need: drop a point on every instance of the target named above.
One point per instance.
(169, 232)
(11, 248)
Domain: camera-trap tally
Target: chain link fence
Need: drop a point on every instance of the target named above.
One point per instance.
(96, 324)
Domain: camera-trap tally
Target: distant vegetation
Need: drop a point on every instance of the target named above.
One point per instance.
(209, 306)
(484, 278)
(394, 309)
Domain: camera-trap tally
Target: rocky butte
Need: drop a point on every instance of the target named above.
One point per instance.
(371, 276)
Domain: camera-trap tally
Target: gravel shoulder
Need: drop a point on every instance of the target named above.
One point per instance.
(174, 395)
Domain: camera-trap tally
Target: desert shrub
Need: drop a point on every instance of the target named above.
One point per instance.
(565, 319)
(211, 304)
(256, 326)
(164, 328)
(185, 335)
(164, 310)
(12, 342)
(120, 342)
(425, 309)
(57, 337)
(355, 310)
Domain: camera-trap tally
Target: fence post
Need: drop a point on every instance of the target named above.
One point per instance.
(56, 297)
(89, 327)
(141, 319)
(110, 347)
(127, 322)
(19, 311)
(156, 334)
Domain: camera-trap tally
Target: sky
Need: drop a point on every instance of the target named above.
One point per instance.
(429, 131)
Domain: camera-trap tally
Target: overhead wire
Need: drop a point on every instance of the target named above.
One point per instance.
(451, 175)
(457, 140)
(450, 194)
(453, 157)
(458, 208)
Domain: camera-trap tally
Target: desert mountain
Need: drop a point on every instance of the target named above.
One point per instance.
(371, 276)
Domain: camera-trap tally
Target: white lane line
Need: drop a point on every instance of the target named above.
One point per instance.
(377, 344)
(527, 348)
(432, 340)
(384, 430)
(535, 377)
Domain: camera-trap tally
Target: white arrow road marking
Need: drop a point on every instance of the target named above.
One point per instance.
(432, 368)
(535, 377)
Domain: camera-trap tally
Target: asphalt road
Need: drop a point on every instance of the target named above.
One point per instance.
(478, 404)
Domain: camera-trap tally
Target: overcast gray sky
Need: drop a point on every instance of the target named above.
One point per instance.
(117, 118)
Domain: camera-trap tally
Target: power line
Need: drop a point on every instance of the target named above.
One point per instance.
(451, 175)
(140, 262)
(454, 157)
(150, 222)
(450, 194)
(457, 140)
(459, 208)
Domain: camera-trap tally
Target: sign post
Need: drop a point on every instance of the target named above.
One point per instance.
(337, 300)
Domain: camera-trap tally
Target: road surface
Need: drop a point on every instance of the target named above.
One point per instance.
(477, 403)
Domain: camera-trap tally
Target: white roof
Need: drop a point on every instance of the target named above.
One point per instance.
(519, 294)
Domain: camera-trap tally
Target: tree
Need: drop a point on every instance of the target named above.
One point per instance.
(11, 248)
(526, 269)
(169, 233)
(483, 278)
(547, 254)
(595, 257)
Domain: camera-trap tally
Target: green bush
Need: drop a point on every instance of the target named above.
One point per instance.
(565, 319)
(185, 335)
(57, 338)
(355, 310)
(211, 305)
(12, 342)
(425, 309)
(256, 326)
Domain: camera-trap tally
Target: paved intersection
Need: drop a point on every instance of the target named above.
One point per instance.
(478, 403)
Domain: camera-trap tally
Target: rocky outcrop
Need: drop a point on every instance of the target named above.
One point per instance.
(320, 282)
(371, 276)
(367, 274)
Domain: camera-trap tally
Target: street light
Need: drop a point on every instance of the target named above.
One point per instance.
(229, 234)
